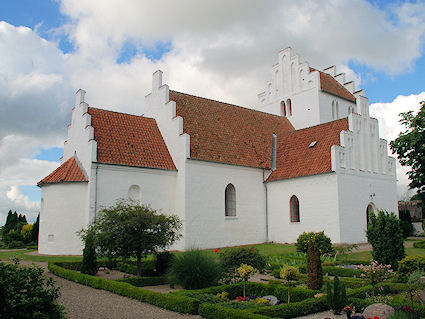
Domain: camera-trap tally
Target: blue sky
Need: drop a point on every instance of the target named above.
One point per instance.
(72, 44)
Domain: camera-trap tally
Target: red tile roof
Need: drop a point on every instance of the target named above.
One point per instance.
(330, 85)
(227, 133)
(294, 156)
(126, 139)
(69, 171)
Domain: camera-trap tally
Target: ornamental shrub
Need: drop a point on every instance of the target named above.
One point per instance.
(314, 267)
(419, 244)
(289, 273)
(26, 293)
(336, 296)
(385, 236)
(409, 264)
(194, 269)
(324, 242)
(233, 258)
(163, 262)
(89, 265)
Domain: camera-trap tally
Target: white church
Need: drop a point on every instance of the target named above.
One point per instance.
(308, 157)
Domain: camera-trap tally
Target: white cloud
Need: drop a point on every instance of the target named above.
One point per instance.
(390, 127)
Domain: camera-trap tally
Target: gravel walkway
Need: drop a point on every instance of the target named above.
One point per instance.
(83, 302)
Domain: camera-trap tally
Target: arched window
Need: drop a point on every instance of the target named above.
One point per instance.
(370, 210)
(134, 192)
(282, 108)
(289, 106)
(294, 206)
(230, 200)
(337, 110)
(333, 110)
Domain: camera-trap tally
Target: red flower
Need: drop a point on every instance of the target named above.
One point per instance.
(216, 250)
(253, 248)
(375, 317)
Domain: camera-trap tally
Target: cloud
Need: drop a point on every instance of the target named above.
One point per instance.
(390, 127)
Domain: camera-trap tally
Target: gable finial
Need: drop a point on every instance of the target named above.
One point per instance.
(79, 96)
(156, 80)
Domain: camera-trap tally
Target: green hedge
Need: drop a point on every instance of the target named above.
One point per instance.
(295, 309)
(258, 289)
(214, 311)
(172, 302)
(419, 244)
(389, 288)
(145, 281)
(130, 267)
(336, 271)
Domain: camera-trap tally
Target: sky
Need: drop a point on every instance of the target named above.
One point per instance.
(218, 49)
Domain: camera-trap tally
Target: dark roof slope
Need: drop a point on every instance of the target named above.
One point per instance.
(295, 157)
(330, 85)
(226, 133)
(126, 139)
(69, 171)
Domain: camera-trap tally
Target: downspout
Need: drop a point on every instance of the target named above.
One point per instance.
(273, 167)
(267, 210)
(95, 193)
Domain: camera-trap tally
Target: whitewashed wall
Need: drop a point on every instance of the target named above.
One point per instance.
(318, 206)
(206, 223)
(63, 213)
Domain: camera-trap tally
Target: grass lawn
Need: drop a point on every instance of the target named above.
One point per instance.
(271, 249)
(21, 254)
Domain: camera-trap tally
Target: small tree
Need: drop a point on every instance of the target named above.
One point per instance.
(26, 232)
(245, 271)
(385, 236)
(129, 229)
(89, 265)
(35, 228)
(289, 273)
(323, 242)
(314, 267)
(336, 295)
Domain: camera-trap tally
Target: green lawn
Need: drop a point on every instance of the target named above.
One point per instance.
(21, 254)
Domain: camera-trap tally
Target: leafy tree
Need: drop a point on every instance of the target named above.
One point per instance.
(35, 228)
(129, 229)
(323, 242)
(410, 148)
(26, 232)
(289, 273)
(314, 267)
(336, 295)
(26, 293)
(385, 235)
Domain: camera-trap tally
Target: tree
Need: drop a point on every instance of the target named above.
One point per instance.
(35, 228)
(410, 148)
(336, 295)
(314, 267)
(89, 265)
(323, 242)
(129, 229)
(385, 235)
(26, 232)
(289, 273)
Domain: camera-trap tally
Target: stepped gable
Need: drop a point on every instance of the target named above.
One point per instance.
(227, 133)
(328, 84)
(69, 171)
(126, 139)
(295, 158)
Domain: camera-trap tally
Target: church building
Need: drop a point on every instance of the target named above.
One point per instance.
(308, 157)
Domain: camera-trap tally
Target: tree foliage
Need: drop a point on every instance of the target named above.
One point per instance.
(89, 265)
(410, 147)
(336, 295)
(323, 242)
(35, 228)
(12, 228)
(314, 267)
(385, 235)
(129, 229)
(26, 293)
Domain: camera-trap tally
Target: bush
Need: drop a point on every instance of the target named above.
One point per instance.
(409, 264)
(89, 265)
(336, 296)
(419, 244)
(295, 309)
(384, 233)
(16, 244)
(172, 302)
(314, 267)
(406, 223)
(163, 261)
(323, 242)
(145, 281)
(232, 258)
(214, 311)
(193, 270)
(26, 293)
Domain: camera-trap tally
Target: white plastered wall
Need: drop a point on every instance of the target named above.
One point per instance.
(318, 207)
(206, 223)
(62, 215)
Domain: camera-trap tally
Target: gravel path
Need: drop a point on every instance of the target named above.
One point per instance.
(83, 302)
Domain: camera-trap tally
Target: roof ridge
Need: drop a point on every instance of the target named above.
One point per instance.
(116, 112)
(234, 105)
(317, 125)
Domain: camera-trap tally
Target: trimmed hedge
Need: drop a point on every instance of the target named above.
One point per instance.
(295, 309)
(172, 302)
(419, 244)
(214, 311)
(258, 289)
(145, 281)
(130, 267)
(389, 288)
(337, 271)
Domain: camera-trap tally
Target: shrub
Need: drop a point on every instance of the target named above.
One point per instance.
(384, 234)
(289, 273)
(89, 265)
(130, 267)
(314, 267)
(193, 270)
(232, 258)
(214, 311)
(398, 314)
(145, 281)
(419, 244)
(336, 296)
(409, 264)
(295, 309)
(16, 244)
(163, 261)
(406, 223)
(323, 242)
(376, 273)
(26, 293)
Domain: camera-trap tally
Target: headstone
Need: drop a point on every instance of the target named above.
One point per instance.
(273, 300)
(380, 310)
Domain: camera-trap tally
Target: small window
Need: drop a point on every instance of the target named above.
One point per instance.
(289, 106)
(134, 192)
(230, 201)
(282, 108)
(294, 207)
(50, 237)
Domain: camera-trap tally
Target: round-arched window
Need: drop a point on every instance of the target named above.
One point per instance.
(134, 193)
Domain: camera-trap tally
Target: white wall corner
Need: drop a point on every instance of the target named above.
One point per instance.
(334, 159)
(350, 86)
(156, 80)
(93, 145)
(340, 78)
(331, 70)
(179, 120)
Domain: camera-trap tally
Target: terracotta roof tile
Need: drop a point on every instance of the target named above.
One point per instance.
(294, 156)
(69, 171)
(330, 85)
(226, 133)
(126, 139)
